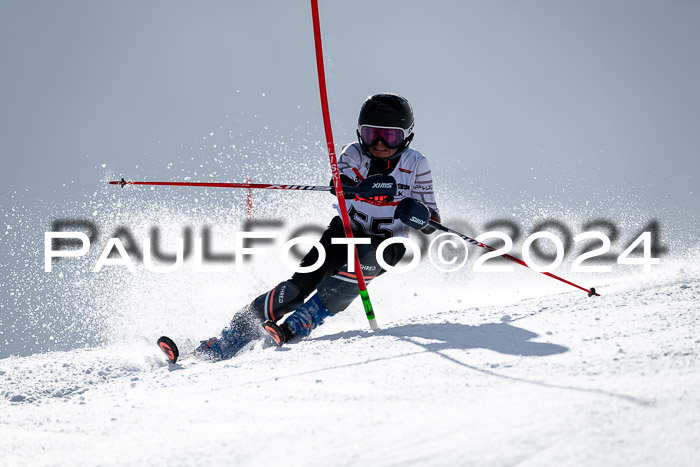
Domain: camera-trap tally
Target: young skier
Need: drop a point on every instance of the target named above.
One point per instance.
(384, 130)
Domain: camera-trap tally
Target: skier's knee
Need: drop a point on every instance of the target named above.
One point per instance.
(273, 305)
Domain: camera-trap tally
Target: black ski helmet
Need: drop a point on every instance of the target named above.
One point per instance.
(387, 110)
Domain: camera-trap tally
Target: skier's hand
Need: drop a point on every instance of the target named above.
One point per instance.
(413, 213)
(346, 182)
(377, 188)
(434, 216)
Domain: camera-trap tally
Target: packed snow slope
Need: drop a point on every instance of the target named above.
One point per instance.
(558, 379)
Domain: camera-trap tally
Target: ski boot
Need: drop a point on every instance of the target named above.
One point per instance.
(300, 324)
(221, 348)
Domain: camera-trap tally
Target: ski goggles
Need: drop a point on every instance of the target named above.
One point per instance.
(392, 136)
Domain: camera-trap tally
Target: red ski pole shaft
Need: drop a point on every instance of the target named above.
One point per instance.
(369, 311)
(591, 292)
(265, 186)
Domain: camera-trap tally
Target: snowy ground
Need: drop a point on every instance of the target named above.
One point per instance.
(556, 380)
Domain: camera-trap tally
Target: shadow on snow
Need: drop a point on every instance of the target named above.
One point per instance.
(499, 337)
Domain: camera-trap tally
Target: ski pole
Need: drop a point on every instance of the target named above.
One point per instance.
(265, 186)
(369, 310)
(591, 292)
(366, 188)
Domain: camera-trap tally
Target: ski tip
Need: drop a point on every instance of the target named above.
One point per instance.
(169, 348)
(275, 332)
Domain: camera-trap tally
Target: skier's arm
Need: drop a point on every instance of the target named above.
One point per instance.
(413, 213)
(376, 187)
(423, 191)
(346, 182)
(348, 163)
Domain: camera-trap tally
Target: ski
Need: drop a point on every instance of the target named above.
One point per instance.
(169, 348)
(275, 332)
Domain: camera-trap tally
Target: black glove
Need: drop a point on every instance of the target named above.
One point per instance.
(434, 216)
(377, 188)
(346, 182)
(413, 213)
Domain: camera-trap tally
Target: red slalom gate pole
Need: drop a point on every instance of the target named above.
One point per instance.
(369, 311)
